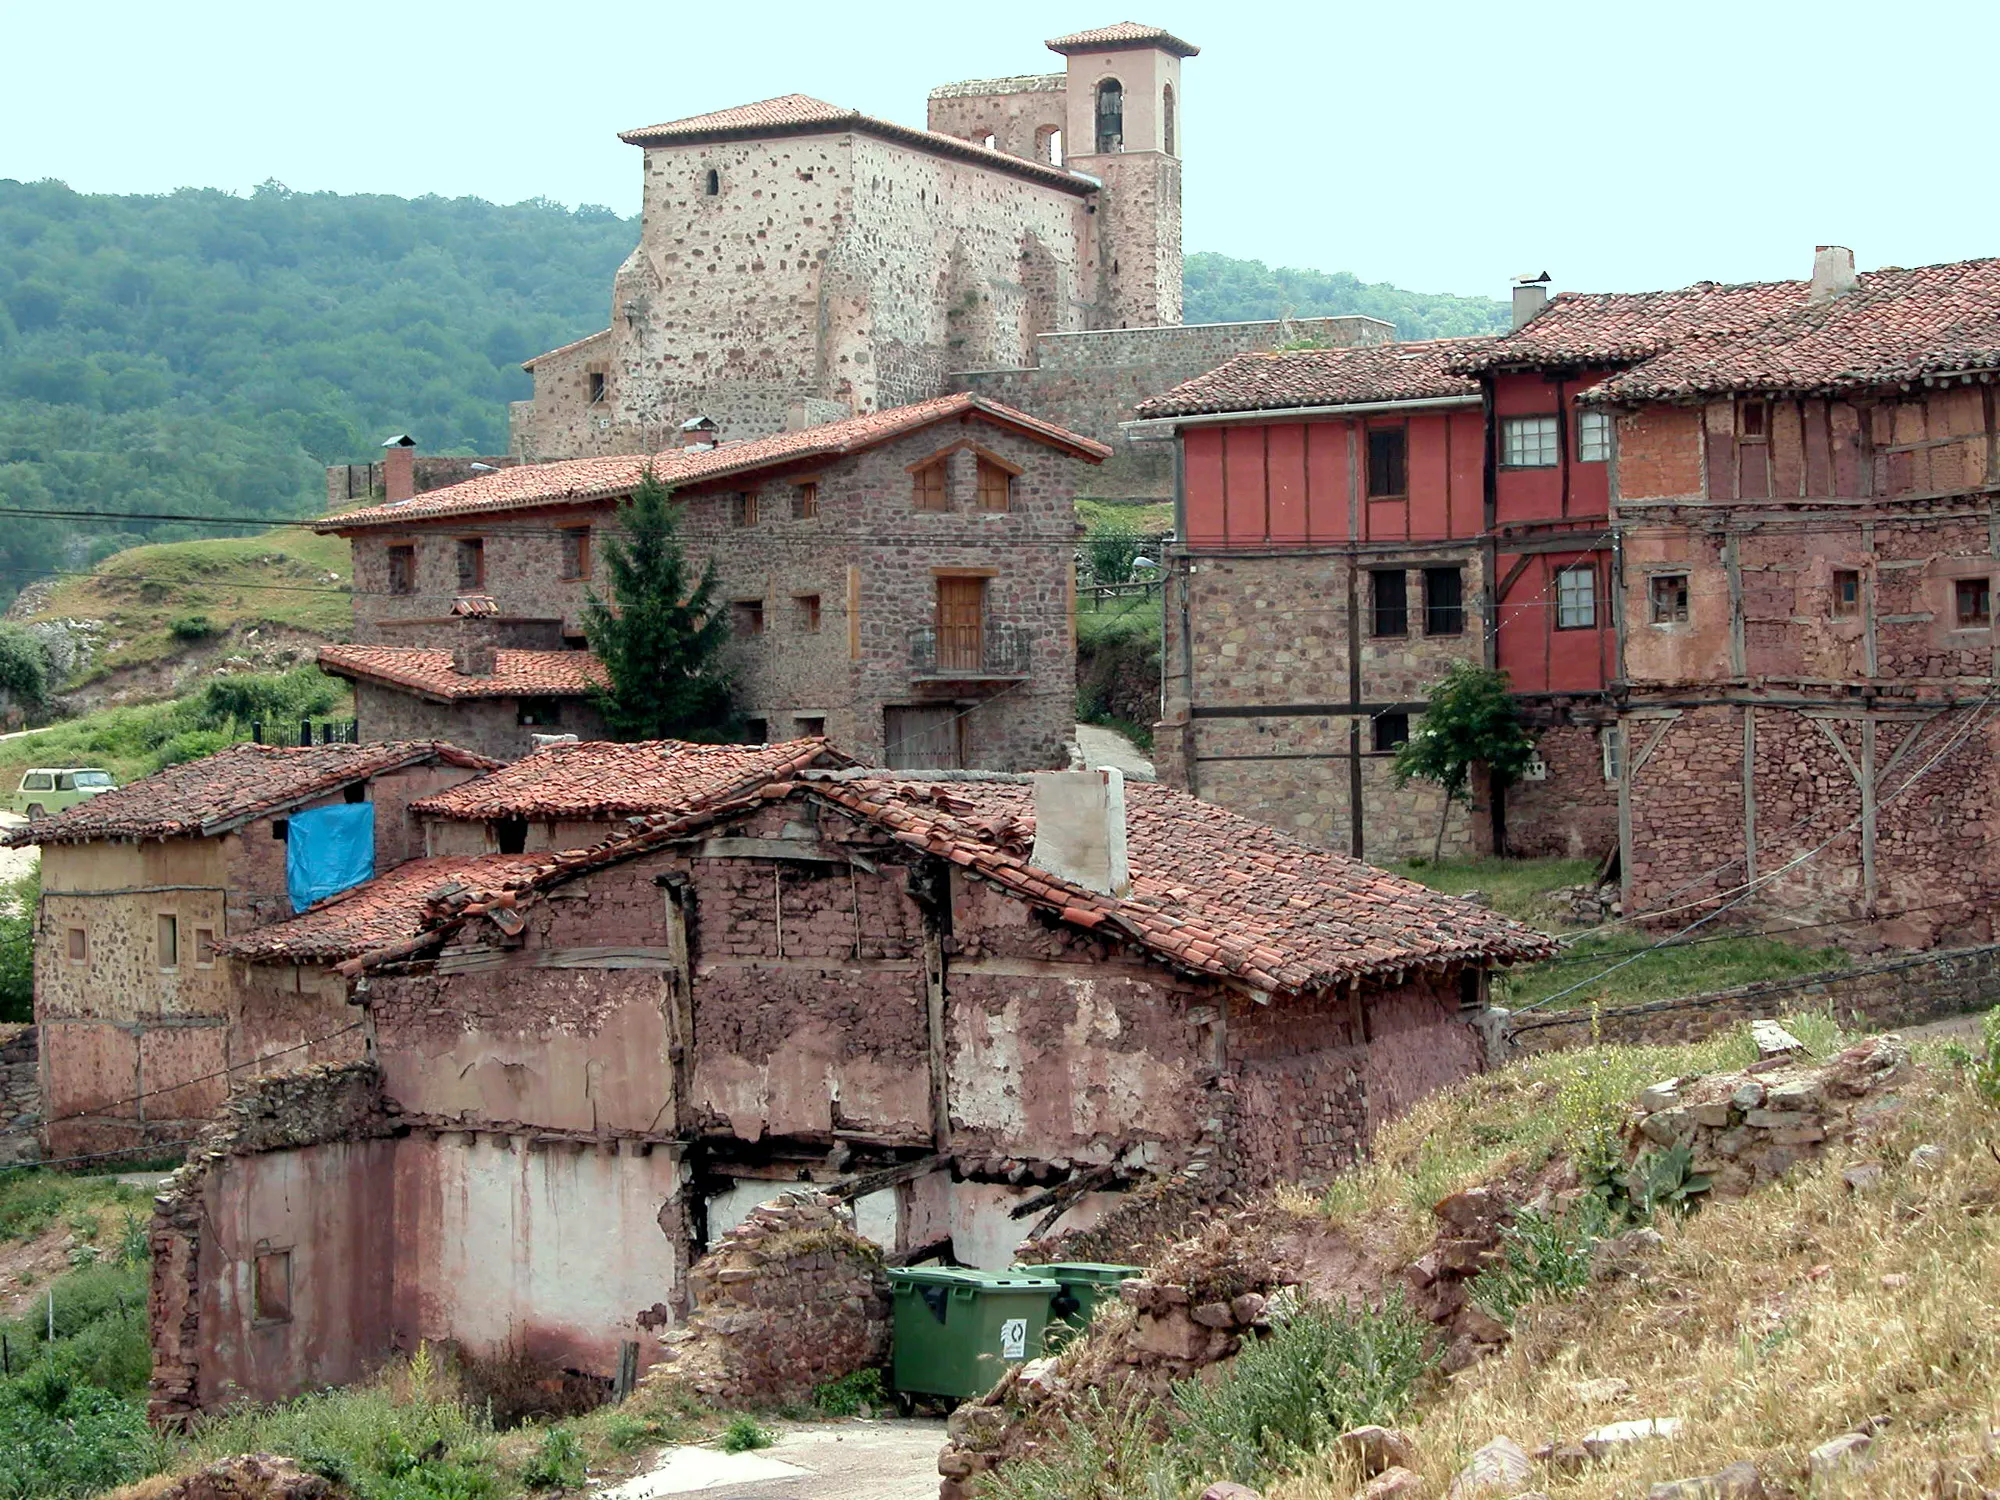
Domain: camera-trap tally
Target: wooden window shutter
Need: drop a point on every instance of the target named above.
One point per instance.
(995, 486)
(929, 487)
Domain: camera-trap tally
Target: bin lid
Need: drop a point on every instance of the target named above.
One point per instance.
(1084, 1270)
(966, 1276)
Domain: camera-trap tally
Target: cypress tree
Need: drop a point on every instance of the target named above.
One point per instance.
(660, 640)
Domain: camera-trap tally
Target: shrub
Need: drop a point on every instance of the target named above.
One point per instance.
(557, 1464)
(192, 627)
(743, 1434)
(853, 1395)
(25, 671)
(1546, 1255)
(60, 1437)
(1986, 1061)
(1323, 1370)
(18, 899)
(1098, 1453)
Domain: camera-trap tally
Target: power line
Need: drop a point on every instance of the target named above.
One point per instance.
(174, 1088)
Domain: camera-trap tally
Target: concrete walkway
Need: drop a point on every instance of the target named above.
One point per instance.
(1107, 747)
(887, 1460)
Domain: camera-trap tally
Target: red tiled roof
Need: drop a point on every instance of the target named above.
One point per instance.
(391, 906)
(204, 797)
(1212, 892)
(601, 778)
(428, 671)
(1125, 35)
(1895, 326)
(1323, 377)
(801, 114)
(582, 480)
(588, 338)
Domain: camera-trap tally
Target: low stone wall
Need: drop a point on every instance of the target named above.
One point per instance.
(20, 1094)
(789, 1299)
(1906, 990)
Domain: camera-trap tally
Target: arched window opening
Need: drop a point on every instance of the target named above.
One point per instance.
(1167, 120)
(1110, 116)
(1048, 145)
(986, 140)
(712, 184)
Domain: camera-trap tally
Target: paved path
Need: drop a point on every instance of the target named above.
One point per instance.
(14, 863)
(889, 1460)
(1107, 747)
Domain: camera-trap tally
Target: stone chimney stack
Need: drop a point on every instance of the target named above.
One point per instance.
(399, 468)
(1080, 829)
(699, 432)
(1531, 295)
(477, 653)
(1833, 273)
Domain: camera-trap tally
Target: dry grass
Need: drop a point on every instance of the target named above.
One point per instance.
(1765, 1322)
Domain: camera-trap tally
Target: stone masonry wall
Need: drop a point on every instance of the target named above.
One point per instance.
(486, 726)
(1573, 814)
(20, 1095)
(789, 1299)
(1906, 990)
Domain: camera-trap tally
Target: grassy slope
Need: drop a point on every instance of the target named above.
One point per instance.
(1709, 961)
(1769, 1323)
(287, 577)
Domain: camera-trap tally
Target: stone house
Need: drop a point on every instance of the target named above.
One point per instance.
(1349, 523)
(144, 1026)
(970, 998)
(1807, 478)
(900, 582)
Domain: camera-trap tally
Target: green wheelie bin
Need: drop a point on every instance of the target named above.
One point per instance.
(1085, 1284)
(956, 1330)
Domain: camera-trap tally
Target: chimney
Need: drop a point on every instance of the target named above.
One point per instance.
(1080, 829)
(1833, 273)
(399, 468)
(1531, 295)
(477, 653)
(698, 433)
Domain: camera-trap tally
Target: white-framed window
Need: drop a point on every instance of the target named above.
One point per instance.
(1576, 598)
(1593, 437)
(1529, 443)
(1612, 741)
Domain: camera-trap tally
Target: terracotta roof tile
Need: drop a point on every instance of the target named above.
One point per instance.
(1894, 327)
(1323, 377)
(589, 480)
(800, 114)
(428, 671)
(1125, 34)
(390, 907)
(599, 779)
(217, 792)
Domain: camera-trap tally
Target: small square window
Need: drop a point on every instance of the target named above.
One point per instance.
(1387, 452)
(927, 487)
(204, 947)
(1753, 421)
(1669, 595)
(271, 1289)
(746, 508)
(807, 606)
(1390, 598)
(1444, 601)
(996, 486)
(79, 946)
(1529, 443)
(168, 940)
(402, 570)
(471, 563)
(1846, 593)
(1391, 731)
(809, 726)
(281, 829)
(747, 616)
(541, 713)
(1576, 598)
(757, 731)
(1975, 603)
(1593, 437)
(805, 501)
(576, 552)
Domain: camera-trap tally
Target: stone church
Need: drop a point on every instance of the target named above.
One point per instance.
(800, 262)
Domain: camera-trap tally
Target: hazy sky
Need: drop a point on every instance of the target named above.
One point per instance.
(1442, 147)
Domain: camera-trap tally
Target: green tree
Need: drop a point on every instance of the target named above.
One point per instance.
(17, 946)
(24, 671)
(1471, 721)
(659, 637)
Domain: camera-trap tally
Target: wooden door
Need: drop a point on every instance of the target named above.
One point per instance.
(922, 738)
(961, 624)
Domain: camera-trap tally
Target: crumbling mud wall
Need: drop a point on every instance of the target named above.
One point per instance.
(788, 1299)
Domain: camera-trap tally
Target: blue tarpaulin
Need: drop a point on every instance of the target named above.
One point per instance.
(328, 850)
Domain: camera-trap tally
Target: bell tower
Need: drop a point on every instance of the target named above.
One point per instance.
(1123, 97)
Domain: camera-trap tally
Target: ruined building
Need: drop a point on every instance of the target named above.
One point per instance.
(145, 1027)
(1733, 544)
(961, 995)
(799, 262)
(900, 581)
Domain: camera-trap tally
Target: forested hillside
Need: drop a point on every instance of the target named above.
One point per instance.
(201, 353)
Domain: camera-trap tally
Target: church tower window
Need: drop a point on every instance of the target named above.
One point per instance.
(1110, 116)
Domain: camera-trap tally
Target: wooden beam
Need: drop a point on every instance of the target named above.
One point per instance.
(861, 1184)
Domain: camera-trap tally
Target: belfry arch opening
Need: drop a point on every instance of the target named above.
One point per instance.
(1167, 120)
(1110, 116)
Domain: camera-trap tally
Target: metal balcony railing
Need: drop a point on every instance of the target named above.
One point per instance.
(962, 652)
